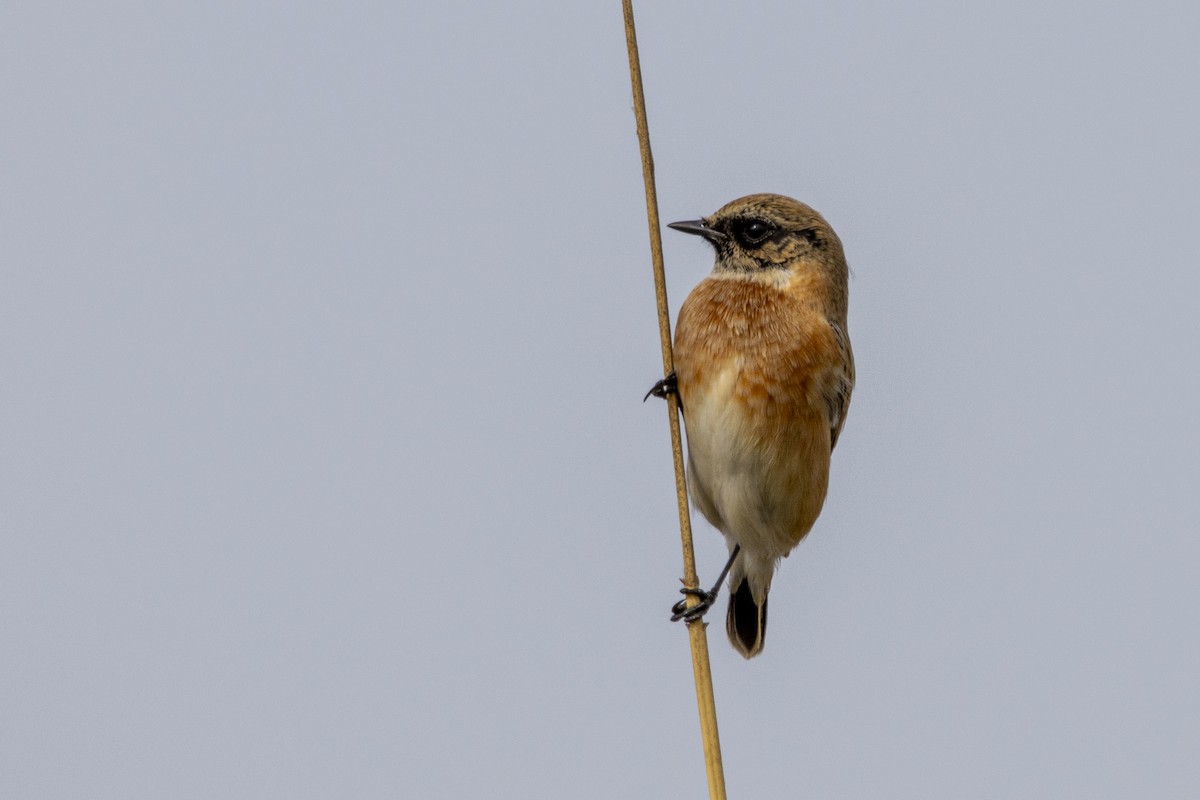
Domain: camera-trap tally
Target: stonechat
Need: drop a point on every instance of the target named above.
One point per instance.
(764, 372)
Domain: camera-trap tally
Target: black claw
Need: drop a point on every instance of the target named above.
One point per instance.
(681, 611)
(663, 388)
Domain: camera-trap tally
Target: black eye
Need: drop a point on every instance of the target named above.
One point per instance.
(752, 232)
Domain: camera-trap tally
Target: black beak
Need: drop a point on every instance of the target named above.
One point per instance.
(699, 228)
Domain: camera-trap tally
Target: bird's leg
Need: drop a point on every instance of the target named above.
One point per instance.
(681, 611)
(663, 388)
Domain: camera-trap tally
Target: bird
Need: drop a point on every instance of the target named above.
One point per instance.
(763, 372)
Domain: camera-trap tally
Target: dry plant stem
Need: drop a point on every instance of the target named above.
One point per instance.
(696, 629)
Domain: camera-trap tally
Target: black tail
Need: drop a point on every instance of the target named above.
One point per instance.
(746, 622)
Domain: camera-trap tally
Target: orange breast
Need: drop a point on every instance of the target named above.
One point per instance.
(785, 354)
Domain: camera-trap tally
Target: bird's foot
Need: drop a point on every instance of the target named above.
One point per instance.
(682, 611)
(666, 386)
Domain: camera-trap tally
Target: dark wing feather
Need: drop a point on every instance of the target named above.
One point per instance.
(839, 398)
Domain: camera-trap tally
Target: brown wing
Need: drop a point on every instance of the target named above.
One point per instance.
(838, 399)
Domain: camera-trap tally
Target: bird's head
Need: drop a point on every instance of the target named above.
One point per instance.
(761, 233)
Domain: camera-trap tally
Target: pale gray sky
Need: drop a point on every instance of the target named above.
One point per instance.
(324, 470)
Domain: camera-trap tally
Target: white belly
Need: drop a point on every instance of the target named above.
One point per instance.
(763, 492)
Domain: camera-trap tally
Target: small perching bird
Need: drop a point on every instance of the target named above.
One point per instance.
(764, 372)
